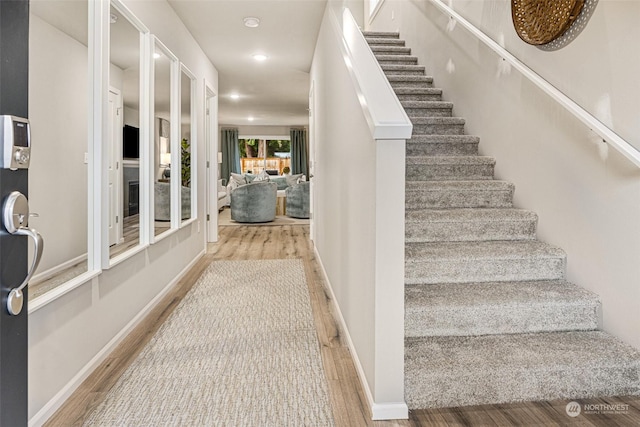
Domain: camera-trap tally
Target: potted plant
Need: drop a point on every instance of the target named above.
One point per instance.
(286, 170)
(186, 162)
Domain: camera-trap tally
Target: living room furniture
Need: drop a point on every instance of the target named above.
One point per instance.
(162, 201)
(254, 202)
(223, 195)
(297, 205)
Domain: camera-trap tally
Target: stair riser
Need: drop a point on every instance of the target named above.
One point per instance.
(391, 50)
(483, 320)
(381, 35)
(428, 271)
(424, 231)
(403, 72)
(385, 42)
(420, 97)
(416, 200)
(399, 61)
(411, 85)
(460, 172)
(438, 129)
(443, 149)
(460, 388)
(428, 112)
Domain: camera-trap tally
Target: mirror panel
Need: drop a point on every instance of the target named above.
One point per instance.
(164, 203)
(187, 131)
(59, 116)
(124, 123)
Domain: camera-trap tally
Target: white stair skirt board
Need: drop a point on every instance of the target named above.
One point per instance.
(379, 411)
(489, 315)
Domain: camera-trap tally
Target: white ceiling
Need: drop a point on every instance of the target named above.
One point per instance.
(276, 91)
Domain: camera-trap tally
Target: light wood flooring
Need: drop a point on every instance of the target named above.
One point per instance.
(347, 398)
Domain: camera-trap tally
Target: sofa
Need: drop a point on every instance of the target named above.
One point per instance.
(298, 205)
(254, 202)
(223, 195)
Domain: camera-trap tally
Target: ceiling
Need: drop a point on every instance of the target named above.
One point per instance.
(275, 91)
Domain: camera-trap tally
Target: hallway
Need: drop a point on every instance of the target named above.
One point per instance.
(347, 398)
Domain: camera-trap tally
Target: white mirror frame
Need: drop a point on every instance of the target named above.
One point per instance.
(95, 29)
(101, 64)
(194, 150)
(174, 142)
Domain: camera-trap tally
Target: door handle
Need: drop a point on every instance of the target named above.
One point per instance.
(16, 220)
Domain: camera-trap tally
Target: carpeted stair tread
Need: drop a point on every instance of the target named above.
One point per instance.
(442, 145)
(381, 34)
(377, 41)
(428, 168)
(460, 225)
(397, 59)
(391, 50)
(498, 308)
(427, 108)
(418, 91)
(427, 104)
(458, 194)
(461, 371)
(482, 261)
(410, 79)
(403, 69)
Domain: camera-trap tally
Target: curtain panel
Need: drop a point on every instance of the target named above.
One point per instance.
(299, 152)
(230, 153)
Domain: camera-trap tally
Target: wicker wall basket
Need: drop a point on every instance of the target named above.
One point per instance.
(539, 22)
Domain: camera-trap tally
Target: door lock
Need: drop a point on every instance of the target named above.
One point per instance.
(15, 216)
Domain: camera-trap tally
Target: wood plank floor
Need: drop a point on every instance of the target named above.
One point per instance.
(347, 397)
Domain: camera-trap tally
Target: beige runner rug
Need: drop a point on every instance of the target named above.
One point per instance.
(239, 350)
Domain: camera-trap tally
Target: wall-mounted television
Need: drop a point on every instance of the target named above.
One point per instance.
(130, 142)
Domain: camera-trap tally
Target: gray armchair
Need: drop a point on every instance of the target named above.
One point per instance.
(162, 201)
(255, 202)
(298, 200)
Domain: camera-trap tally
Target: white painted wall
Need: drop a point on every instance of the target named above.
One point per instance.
(68, 336)
(587, 197)
(58, 115)
(358, 218)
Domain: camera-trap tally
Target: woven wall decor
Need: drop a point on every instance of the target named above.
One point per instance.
(539, 22)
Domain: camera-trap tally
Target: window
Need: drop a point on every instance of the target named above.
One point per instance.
(272, 155)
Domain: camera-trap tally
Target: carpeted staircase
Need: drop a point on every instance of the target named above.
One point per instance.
(489, 316)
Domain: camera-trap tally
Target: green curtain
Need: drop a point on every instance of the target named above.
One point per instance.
(230, 153)
(299, 156)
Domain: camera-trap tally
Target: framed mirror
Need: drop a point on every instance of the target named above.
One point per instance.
(124, 147)
(188, 146)
(59, 114)
(166, 130)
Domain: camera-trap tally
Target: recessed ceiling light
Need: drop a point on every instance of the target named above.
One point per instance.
(113, 18)
(251, 22)
(250, 118)
(260, 57)
(234, 96)
(156, 55)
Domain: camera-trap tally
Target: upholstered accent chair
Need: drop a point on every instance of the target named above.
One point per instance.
(255, 202)
(162, 201)
(298, 200)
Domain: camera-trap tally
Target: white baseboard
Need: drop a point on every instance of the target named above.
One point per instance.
(58, 400)
(379, 411)
(46, 275)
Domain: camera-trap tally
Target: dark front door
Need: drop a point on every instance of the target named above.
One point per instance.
(14, 78)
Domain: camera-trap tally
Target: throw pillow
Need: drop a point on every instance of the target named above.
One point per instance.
(303, 178)
(236, 181)
(262, 176)
(293, 179)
